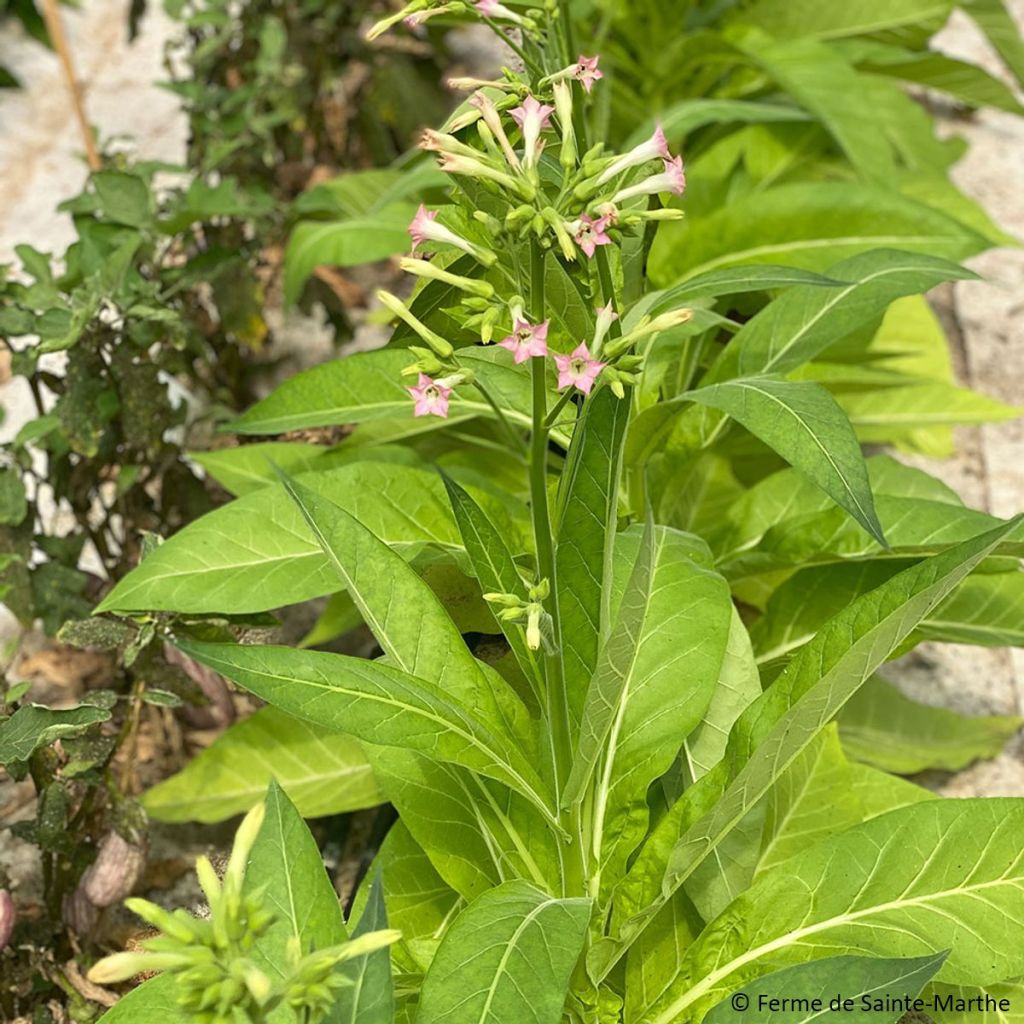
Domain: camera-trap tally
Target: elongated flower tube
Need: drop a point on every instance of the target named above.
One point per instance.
(656, 146)
(380, 27)
(606, 316)
(532, 118)
(499, 12)
(474, 167)
(424, 268)
(563, 106)
(672, 179)
(424, 228)
(646, 327)
(419, 17)
(440, 142)
(490, 116)
(437, 344)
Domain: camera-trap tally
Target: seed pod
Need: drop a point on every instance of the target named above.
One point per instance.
(114, 873)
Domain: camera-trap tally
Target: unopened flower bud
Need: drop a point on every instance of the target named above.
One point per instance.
(424, 268)
(442, 348)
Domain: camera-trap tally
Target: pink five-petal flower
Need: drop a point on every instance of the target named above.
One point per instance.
(675, 175)
(431, 397)
(527, 340)
(532, 118)
(656, 146)
(587, 72)
(421, 227)
(578, 370)
(590, 233)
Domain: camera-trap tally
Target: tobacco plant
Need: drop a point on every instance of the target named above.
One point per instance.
(613, 807)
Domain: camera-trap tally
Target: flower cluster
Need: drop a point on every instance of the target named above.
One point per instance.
(503, 139)
(217, 978)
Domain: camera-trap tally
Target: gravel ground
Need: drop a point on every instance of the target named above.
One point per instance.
(40, 163)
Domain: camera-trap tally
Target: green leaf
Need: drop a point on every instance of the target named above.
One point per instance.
(494, 566)
(822, 81)
(681, 119)
(811, 225)
(13, 503)
(830, 989)
(779, 725)
(882, 727)
(986, 610)
(123, 198)
(370, 998)
(33, 726)
(419, 902)
(802, 422)
(653, 682)
(369, 386)
(154, 1002)
(506, 959)
(587, 514)
(250, 467)
(257, 552)
(286, 867)
(731, 281)
(377, 704)
(945, 873)
(322, 772)
(344, 243)
(787, 19)
(384, 589)
(999, 25)
(737, 687)
(804, 321)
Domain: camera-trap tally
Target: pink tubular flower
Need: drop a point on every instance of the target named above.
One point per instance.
(493, 9)
(672, 179)
(532, 118)
(590, 233)
(527, 340)
(424, 228)
(578, 370)
(656, 146)
(431, 397)
(587, 72)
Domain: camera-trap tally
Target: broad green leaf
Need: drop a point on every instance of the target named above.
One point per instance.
(994, 1004)
(880, 792)
(153, 1002)
(257, 552)
(786, 19)
(889, 412)
(506, 959)
(250, 467)
(732, 281)
(946, 874)
(419, 902)
(494, 566)
(810, 225)
(821, 80)
(802, 422)
(378, 704)
(344, 243)
(686, 116)
(322, 772)
(804, 321)
(994, 18)
(286, 867)
(654, 681)
(882, 727)
(737, 687)
(779, 725)
(832, 991)
(34, 725)
(986, 610)
(370, 998)
(585, 531)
